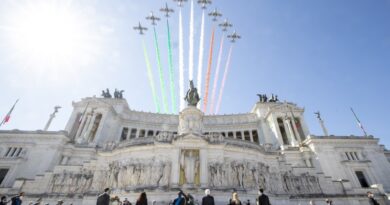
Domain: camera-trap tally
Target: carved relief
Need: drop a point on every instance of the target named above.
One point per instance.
(71, 182)
(135, 174)
(243, 175)
(214, 137)
(164, 137)
(302, 184)
(254, 175)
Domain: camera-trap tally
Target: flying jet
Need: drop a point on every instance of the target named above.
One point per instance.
(140, 28)
(234, 36)
(215, 14)
(166, 10)
(225, 25)
(180, 2)
(204, 3)
(152, 18)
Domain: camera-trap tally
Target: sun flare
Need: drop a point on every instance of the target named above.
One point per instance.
(49, 36)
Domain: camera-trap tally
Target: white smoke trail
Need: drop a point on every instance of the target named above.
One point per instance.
(224, 80)
(191, 46)
(216, 75)
(200, 62)
(181, 63)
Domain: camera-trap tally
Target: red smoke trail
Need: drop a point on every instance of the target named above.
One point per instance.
(224, 80)
(207, 84)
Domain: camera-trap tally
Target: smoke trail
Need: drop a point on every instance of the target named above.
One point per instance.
(160, 71)
(171, 74)
(191, 46)
(181, 62)
(200, 62)
(216, 75)
(224, 79)
(150, 77)
(206, 93)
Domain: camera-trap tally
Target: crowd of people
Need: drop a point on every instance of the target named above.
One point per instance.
(181, 199)
(18, 199)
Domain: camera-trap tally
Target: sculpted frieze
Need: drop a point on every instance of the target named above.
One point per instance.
(247, 175)
(71, 182)
(135, 173)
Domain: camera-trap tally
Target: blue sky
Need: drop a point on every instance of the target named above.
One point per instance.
(323, 55)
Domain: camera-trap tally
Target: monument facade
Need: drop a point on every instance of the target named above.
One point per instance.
(106, 144)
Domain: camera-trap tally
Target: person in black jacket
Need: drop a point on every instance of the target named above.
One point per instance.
(208, 199)
(263, 199)
(371, 199)
(104, 199)
(142, 199)
(181, 199)
(18, 199)
(3, 200)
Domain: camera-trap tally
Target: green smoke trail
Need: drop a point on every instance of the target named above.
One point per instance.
(171, 74)
(150, 77)
(160, 71)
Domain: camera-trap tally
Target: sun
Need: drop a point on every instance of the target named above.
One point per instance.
(49, 35)
(48, 32)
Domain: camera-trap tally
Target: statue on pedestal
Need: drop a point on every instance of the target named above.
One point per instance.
(118, 94)
(106, 94)
(189, 162)
(192, 96)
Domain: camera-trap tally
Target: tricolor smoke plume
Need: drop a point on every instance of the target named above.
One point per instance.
(160, 71)
(181, 62)
(216, 76)
(207, 83)
(150, 78)
(224, 79)
(200, 62)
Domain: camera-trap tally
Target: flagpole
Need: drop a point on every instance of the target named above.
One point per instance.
(8, 114)
(359, 123)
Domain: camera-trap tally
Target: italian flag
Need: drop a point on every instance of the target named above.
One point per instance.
(8, 116)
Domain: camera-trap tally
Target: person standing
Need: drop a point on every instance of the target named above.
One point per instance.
(3, 200)
(371, 199)
(180, 200)
(18, 199)
(234, 200)
(263, 199)
(142, 199)
(208, 199)
(126, 202)
(115, 201)
(104, 199)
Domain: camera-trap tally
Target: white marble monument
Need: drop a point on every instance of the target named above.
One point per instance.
(106, 144)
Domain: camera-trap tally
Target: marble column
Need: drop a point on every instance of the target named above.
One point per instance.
(203, 168)
(175, 171)
(290, 132)
(295, 130)
(81, 127)
(251, 135)
(90, 125)
(277, 130)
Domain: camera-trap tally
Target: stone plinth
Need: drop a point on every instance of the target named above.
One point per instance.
(190, 121)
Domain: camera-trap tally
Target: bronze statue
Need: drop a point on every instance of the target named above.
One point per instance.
(106, 94)
(192, 96)
(118, 94)
(260, 97)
